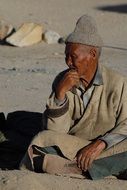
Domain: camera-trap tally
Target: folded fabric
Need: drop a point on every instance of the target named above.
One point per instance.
(25, 122)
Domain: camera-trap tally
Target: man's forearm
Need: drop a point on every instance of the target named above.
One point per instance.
(57, 113)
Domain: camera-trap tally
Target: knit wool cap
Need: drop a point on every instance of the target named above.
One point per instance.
(85, 32)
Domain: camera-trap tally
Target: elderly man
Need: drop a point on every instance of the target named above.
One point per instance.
(86, 113)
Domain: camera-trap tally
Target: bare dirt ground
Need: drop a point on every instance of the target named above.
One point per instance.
(26, 74)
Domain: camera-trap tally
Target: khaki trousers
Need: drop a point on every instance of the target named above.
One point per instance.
(68, 144)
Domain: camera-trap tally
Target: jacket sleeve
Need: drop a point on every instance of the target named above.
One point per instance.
(121, 112)
(59, 118)
(112, 139)
(119, 133)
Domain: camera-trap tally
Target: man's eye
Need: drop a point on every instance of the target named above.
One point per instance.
(73, 57)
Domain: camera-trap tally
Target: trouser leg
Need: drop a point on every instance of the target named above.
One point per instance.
(107, 166)
(111, 162)
(69, 145)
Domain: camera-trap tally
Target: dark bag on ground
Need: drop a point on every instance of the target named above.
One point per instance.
(16, 133)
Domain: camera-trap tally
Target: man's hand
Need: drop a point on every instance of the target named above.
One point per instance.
(69, 80)
(88, 154)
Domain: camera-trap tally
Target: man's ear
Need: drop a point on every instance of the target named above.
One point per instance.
(93, 53)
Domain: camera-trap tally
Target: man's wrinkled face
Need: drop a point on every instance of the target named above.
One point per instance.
(83, 59)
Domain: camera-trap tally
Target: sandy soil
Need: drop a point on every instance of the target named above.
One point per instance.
(26, 74)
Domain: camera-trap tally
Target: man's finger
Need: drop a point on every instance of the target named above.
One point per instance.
(90, 162)
(72, 75)
(82, 162)
(86, 162)
(73, 72)
(79, 157)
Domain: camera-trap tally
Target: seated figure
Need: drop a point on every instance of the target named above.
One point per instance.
(86, 114)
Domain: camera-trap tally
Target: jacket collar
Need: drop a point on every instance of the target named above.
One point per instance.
(98, 80)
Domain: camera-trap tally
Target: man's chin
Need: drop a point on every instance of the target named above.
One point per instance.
(84, 80)
(84, 83)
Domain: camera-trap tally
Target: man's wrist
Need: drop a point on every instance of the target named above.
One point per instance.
(60, 95)
(60, 102)
(102, 143)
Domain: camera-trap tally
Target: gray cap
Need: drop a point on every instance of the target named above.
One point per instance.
(85, 32)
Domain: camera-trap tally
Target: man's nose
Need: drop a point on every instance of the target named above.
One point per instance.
(69, 62)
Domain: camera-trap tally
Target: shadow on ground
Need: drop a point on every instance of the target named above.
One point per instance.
(121, 8)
